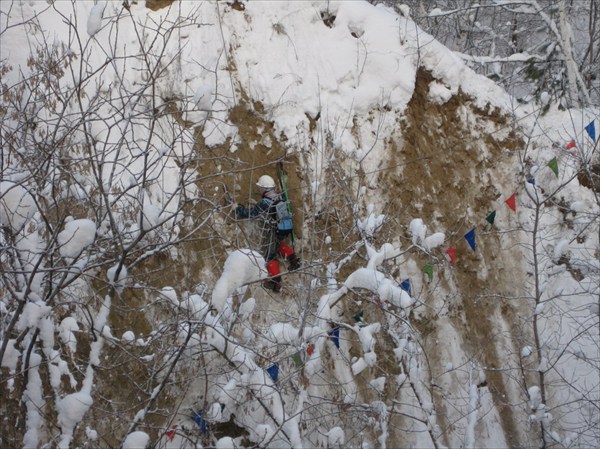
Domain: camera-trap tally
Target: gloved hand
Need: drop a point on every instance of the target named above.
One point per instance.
(229, 201)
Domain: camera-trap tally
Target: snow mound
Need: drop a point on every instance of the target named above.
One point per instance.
(241, 267)
(434, 240)
(112, 275)
(225, 443)
(150, 217)
(71, 410)
(418, 231)
(203, 97)
(369, 225)
(128, 337)
(378, 384)
(376, 282)
(136, 440)
(66, 332)
(197, 307)
(336, 437)
(33, 312)
(94, 23)
(170, 294)
(76, 236)
(283, 333)
(438, 93)
(16, 205)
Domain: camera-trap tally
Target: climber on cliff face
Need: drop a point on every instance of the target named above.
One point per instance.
(273, 210)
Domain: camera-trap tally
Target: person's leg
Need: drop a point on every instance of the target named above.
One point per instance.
(287, 252)
(272, 264)
(274, 281)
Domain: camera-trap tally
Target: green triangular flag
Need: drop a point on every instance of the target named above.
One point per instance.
(297, 359)
(428, 270)
(491, 217)
(553, 164)
(358, 317)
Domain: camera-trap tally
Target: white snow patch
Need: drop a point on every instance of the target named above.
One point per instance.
(71, 410)
(75, 237)
(438, 93)
(115, 278)
(94, 23)
(336, 437)
(150, 216)
(203, 97)
(241, 267)
(128, 337)
(170, 294)
(225, 443)
(197, 307)
(10, 361)
(539, 309)
(560, 249)
(283, 333)
(66, 332)
(359, 366)
(370, 224)
(418, 231)
(535, 397)
(434, 240)
(246, 308)
(136, 440)
(17, 206)
(91, 433)
(34, 402)
(365, 334)
(526, 351)
(378, 384)
(370, 358)
(33, 312)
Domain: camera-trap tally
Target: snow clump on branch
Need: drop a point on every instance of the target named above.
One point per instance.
(16, 205)
(241, 267)
(75, 237)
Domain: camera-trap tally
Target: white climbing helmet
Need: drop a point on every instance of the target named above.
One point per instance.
(266, 182)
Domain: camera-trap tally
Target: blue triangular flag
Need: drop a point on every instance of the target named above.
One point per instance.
(273, 371)
(198, 418)
(335, 336)
(591, 130)
(470, 237)
(531, 181)
(405, 285)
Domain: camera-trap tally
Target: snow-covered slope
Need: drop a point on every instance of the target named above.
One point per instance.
(433, 309)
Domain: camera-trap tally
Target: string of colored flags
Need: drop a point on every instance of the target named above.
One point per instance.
(470, 236)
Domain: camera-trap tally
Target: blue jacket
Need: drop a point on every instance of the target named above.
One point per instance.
(263, 207)
(269, 208)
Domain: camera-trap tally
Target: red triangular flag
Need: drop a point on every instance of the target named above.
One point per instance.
(451, 254)
(511, 202)
(570, 145)
(310, 350)
(171, 432)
